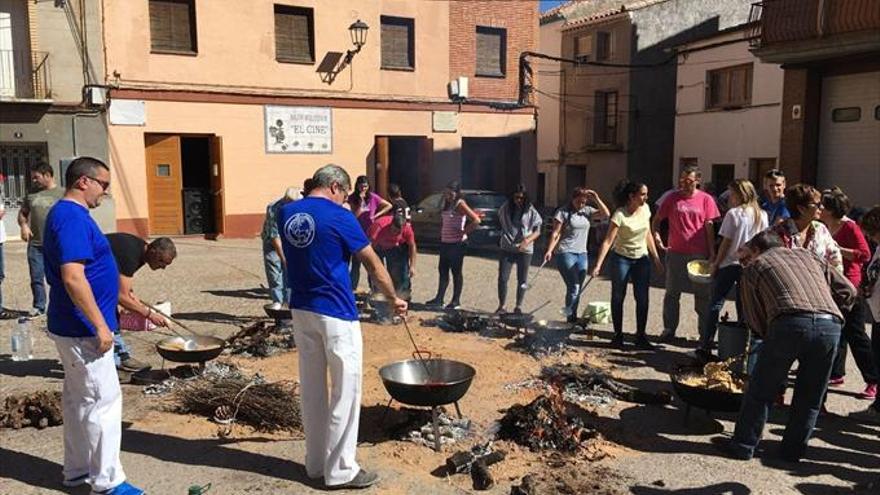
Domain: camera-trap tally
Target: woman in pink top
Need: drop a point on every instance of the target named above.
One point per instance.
(855, 252)
(457, 220)
(366, 206)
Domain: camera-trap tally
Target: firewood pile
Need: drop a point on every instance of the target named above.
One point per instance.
(261, 339)
(548, 423)
(583, 383)
(231, 398)
(39, 409)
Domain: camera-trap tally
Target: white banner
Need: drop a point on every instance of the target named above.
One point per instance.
(298, 129)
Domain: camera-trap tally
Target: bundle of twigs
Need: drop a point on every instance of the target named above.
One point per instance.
(264, 406)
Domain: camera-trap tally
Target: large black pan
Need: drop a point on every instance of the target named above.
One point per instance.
(427, 382)
(710, 400)
(205, 349)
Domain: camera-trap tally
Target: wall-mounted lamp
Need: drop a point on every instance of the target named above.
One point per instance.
(358, 30)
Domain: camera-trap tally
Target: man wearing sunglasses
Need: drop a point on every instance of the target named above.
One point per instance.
(81, 319)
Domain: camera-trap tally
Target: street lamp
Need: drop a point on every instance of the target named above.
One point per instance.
(358, 30)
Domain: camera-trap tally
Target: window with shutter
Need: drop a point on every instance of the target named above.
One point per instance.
(603, 46)
(491, 51)
(294, 34)
(173, 26)
(730, 87)
(398, 43)
(583, 48)
(605, 117)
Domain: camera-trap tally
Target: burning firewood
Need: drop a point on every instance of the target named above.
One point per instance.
(547, 423)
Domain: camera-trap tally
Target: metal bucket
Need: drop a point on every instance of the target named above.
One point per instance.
(733, 337)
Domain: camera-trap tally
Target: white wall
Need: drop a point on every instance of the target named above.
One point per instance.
(732, 136)
(549, 43)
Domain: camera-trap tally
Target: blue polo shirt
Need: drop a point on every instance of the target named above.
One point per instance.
(71, 235)
(775, 210)
(319, 238)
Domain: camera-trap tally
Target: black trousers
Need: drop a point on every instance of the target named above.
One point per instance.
(853, 333)
(451, 259)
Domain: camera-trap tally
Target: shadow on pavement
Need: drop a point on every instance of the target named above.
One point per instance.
(254, 293)
(728, 488)
(34, 471)
(214, 453)
(48, 368)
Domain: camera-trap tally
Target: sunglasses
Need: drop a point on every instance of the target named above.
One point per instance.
(104, 184)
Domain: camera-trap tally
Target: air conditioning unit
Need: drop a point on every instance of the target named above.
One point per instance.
(458, 88)
(96, 96)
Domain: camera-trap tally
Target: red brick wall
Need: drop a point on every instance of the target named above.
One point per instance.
(518, 17)
(798, 151)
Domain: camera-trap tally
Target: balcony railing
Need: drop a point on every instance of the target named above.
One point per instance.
(781, 21)
(24, 75)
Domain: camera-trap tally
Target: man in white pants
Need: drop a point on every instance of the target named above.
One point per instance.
(84, 288)
(319, 237)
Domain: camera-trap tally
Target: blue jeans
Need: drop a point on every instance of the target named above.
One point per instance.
(810, 340)
(725, 279)
(279, 290)
(121, 351)
(623, 270)
(506, 260)
(573, 268)
(38, 275)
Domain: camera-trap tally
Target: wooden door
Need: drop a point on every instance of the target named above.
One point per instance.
(383, 161)
(164, 184)
(217, 184)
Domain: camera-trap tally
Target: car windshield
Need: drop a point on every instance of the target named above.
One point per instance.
(487, 201)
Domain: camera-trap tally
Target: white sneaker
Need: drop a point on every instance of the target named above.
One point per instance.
(274, 306)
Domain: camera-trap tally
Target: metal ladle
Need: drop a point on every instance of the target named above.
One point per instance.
(418, 351)
(188, 343)
(530, 283)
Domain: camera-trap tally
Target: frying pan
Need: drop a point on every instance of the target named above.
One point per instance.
(520, 320)
(704, 398)
(181, 350)
(427, 382)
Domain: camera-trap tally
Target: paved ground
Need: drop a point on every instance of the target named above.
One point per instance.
(216, 285)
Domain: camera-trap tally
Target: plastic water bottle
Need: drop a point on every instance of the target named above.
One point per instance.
(22, 345)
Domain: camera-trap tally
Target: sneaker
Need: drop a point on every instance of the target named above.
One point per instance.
(870, 392)
(869, 415)
(703, 355)
(436, 302)
(275, 306)
(617, 341)
(728, 449)
(452, 305)
(123, 488)
(363, 479)
(500, 310)
(73, 482)
(667, 336)
(644, 344)
(836, 381)
(34, 312)
(517, 310)
(132, 365)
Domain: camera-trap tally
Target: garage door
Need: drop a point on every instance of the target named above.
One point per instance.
(849, 136)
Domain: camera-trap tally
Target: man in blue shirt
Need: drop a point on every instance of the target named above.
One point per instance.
(84, 291)
(773, 201)
(319, 237)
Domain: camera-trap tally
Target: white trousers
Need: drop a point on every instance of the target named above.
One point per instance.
(92, 409)
(331, 423)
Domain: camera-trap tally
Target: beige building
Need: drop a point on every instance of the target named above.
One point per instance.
(728, 109)
(549, 78)
(213, 115)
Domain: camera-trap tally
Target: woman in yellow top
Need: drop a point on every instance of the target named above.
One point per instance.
(629, 233)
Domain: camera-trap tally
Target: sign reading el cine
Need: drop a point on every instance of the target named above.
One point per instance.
(298, 129)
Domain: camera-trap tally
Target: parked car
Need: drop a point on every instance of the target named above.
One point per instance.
(426, 218)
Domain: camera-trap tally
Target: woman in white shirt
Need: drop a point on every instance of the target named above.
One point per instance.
(743, 220)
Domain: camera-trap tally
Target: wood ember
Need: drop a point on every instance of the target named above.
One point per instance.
(240, 399)
(583, 380)
(548, 422)
(261, 339)
(39, 409)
